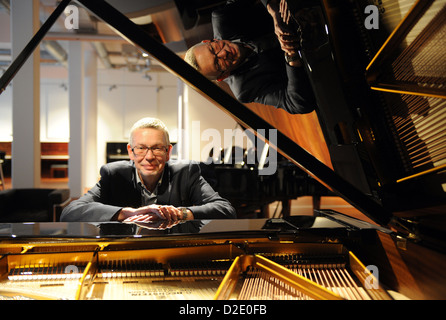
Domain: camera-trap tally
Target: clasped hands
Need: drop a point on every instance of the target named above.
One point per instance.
(151, 213)
(288, 38)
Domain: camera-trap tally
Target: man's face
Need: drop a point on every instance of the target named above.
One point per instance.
(217, 58)
(151, 164)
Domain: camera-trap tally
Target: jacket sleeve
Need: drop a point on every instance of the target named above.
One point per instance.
(294, 94)
(205, 202)
(93, 206)
(288, 89)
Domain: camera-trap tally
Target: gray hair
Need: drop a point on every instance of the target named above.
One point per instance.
(191, 58)
(148, 122)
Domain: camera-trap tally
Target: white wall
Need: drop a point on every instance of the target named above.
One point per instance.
(54, 112)
(211, 122)
(54, 125)
(123, 98)
(6, 115)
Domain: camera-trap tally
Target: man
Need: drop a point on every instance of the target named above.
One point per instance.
(256, 54)
(149, 187)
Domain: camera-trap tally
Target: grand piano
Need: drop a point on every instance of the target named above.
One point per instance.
(383, 116)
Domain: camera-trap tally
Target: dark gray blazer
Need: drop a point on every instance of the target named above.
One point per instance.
(182, 186)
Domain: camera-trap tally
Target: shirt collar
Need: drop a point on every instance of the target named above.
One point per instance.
(249, 61)
(141, 183)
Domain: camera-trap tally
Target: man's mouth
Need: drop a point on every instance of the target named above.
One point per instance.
(234, 55)
(149, 167)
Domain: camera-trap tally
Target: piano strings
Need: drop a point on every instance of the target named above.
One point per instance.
(413, 65)
(143, 279)
(261, 285)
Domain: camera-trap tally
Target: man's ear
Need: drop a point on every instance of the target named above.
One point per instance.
(130, 152)
(169, 151)
(207, 41)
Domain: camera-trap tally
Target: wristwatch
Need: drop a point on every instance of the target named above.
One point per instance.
(289, 58)
(185, 213)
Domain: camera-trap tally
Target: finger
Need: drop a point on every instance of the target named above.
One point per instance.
(165, 213)
(282, 7)
(176, 213)
(287, 17)
(129, 219)
(281, 31)
(154, 209)
(289, 40)
(138, 217)
(289, 45)
(284, 12)
(148, 218)
(169, 212)
(163, 225)
(161, 215)
(290, 50)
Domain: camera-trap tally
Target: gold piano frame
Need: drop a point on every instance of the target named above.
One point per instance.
(239, 255)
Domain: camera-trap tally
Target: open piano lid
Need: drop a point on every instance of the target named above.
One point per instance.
(243, 115)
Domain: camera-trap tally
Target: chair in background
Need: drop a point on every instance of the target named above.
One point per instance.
(33, 205)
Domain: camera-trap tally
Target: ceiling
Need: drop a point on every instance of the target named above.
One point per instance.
(177, 24)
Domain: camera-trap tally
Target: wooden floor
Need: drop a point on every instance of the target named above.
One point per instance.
(299, 206)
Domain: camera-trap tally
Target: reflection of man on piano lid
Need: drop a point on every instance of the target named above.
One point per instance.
(149, 187)
(248, 54)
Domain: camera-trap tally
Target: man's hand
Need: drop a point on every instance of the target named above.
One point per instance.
(155, 225)
(154, 212)
(288, 38)
(285, 13)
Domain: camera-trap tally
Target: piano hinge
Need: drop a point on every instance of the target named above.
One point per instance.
(401, 243)
(102, 247)
(25, 249)
(405, 230)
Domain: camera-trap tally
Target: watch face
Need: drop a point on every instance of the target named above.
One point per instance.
(289, 58)
(184, 210)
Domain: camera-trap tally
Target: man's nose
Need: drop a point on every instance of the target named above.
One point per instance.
(149, 154)
(222, 53)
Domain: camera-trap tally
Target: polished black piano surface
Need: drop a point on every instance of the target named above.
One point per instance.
(275, 228)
